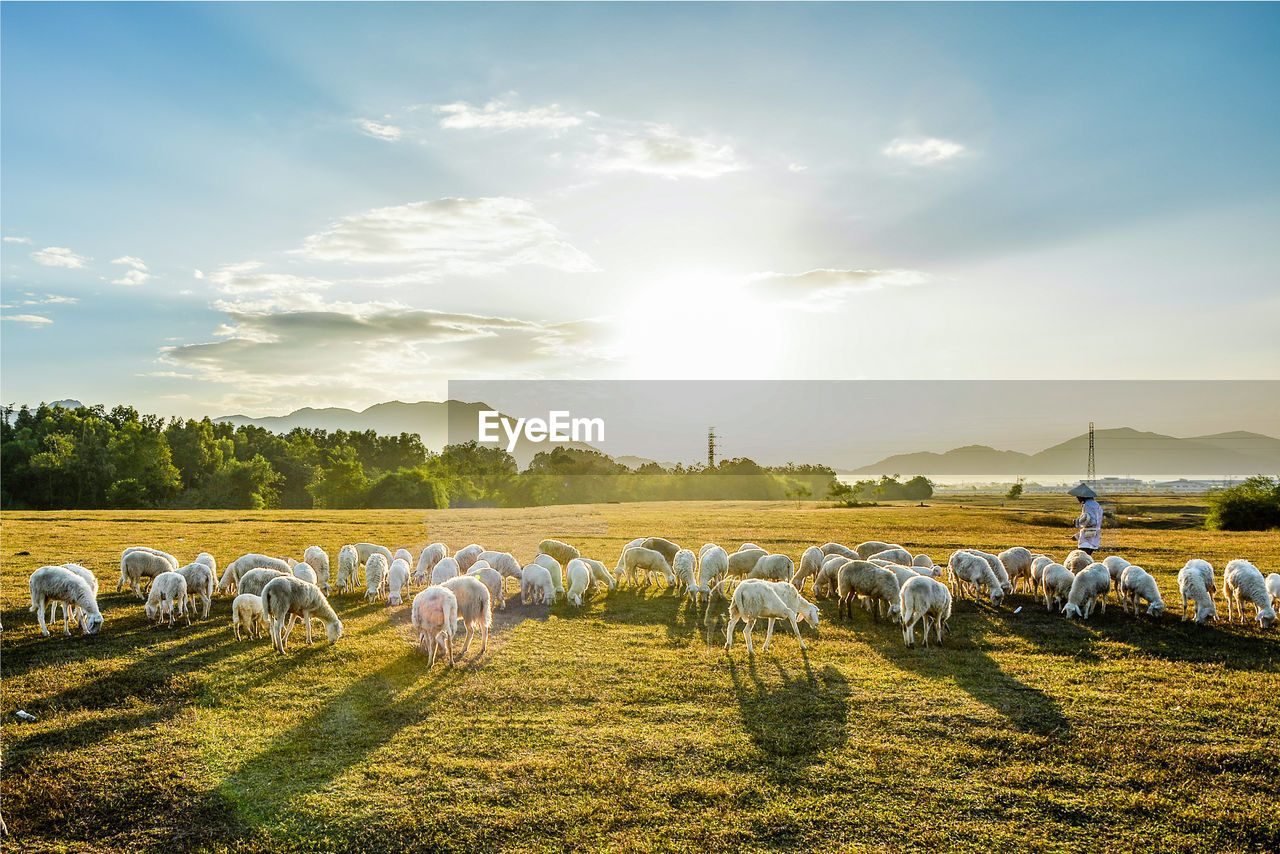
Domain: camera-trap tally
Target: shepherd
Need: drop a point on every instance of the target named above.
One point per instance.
(1090, 520)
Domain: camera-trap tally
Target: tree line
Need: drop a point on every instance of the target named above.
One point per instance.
(54, 457)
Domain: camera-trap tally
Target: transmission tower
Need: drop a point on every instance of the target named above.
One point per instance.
(711, 447)
(1093, 474)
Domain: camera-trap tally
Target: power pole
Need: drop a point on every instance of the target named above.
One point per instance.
(711, 447)
(1093, 474)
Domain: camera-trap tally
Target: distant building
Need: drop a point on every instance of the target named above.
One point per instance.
(1184, 486)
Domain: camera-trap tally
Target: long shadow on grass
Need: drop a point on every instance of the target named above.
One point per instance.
(791, 718)
(342, 731)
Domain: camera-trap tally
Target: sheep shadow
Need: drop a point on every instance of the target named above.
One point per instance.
(791, 718)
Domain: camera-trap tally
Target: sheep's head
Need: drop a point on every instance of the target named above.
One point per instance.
(809, 613)
(997, 595)
(1266, 618)
(92, 622)
(895, 613)
(334, 631)
(153, 611)
(1206, 612)
(1072, 610)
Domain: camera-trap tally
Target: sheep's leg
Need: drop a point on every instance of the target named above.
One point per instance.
(768, 635)
(746, 632)
(448, 645)
(470, 632)
(795, 628)
(733, 624)
(306, 616)
(484, 638)
(44, 628)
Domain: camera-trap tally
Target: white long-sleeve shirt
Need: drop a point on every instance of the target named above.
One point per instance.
(1090, 524)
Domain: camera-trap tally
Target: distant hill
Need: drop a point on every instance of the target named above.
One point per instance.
(437, 423)
(1120, 450)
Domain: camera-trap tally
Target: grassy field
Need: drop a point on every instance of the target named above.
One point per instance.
(617, 727)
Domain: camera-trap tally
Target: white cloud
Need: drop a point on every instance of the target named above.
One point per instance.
(796, 167)
(247, 278)
(47, 299)
(378, 130)
(923, 151)
(58, 256)
(497, 115)
(822, 289)
(137, 276)
(32, 319)
(469, 236)
(17, 240)
(660, 150)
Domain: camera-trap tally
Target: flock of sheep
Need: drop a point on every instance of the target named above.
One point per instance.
(276, 592)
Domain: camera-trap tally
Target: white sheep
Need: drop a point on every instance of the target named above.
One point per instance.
(246, 610)
(475, 608)
(562, 552)
(873, 547)
(1055, 581)
(1038, 563)
(685, 569)
(445, 569)
(1196, 584)
(318, 559)
(1273, 588)
(1017, 563)
(620, 570)
(1088, 589)
(805, 610)
(879, 585)
(600, 574)
(468, 555)
(1078, 560)
(305, 572)
(830, 549)
(348, 569)
(743, 561)
(923, 561)
(971, 573)
(775, 567)
(579, 577)
(170, 559)
(89, 578)
(642, 564)
(1137, 584)
(492, 579)
(255, 579)
(810, 564)
(237, 568)
(746, 547)
(288, 597)
(375, 576)
(504, 562)
(209, 561)
(706, 547)
(397, 580)
(402, 554)
(713, 565)
(138, 563)
(59, 584)
(167, 598)
(557, 572)
(199, 577)
(368, 550)
(1115, 566)
(896, 555)
(924, 599)
(427, 560)
(1243, 582)
(435, 617)
(997, 568)
(756, 598)
(827, 582)
(535, 585)
(662, 546)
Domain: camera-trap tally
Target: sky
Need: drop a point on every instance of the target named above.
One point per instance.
(250, 208)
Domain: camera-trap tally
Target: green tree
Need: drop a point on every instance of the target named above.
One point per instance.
(413, 487)
(340, 482)
(1250, 506)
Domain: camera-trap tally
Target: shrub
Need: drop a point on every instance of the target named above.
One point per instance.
(1250, 506)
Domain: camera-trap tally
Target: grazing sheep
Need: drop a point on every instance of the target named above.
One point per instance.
(756, 598)
(1243, 582)
(397, 580)
(619, 570)
(237, 568)
(706, 547)
(209, 561)
(168, 598)
(1055, 580)
(504, 562)
(579, 577)
(402, 554)
(375, 576)
(827, 582)
(137, 564)
(246, 610)
(997, 568)
(368, 550)
(492, 579)
(427, 560)
(805, 610)
(318, 559)
(743, 561)
(1116, 566)
(562, 552)
(287, 597)
(879, 585)
(713, 565)
(1077, 561)
(745, 547)
(467, 555)
(444, 570)
(1017, 563)
(642, 564)
(59, 584)
(901, 571)
(1196, 584)
(1273, 588)
(830, 549)
(922, 560)
(255, 579)
(348, 569)
(305, 572)
(684, 567)
(662, 546)
(557, 572)
(536, 586)
(1088, 590)
(898, 556)
(1038, 563)
(873, 547)
(775, 567)
(89, 578)
(601, 575)
(810, 564)
(1136, 583)
(199, 578)
(972, 573)
(718, 601)
(475, 608)
(435, 617)
(172, 561)
(924, 599)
